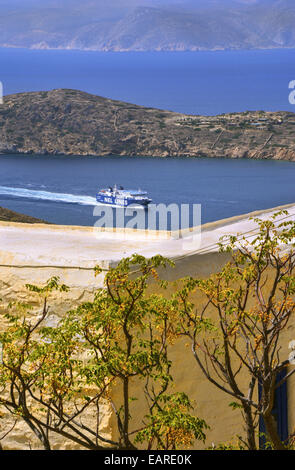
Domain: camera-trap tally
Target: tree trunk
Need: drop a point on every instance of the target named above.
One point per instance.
(128, 445)
(250, 428)
(271, 431)
(39, 433)
(126, 411)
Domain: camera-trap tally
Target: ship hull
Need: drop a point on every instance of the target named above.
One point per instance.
(121, 201)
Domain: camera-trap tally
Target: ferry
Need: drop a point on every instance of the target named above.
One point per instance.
(121, 197)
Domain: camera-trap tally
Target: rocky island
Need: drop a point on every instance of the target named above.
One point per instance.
(72, 122)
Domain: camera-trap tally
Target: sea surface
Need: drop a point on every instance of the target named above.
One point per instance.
(205, 83)
(62, 189)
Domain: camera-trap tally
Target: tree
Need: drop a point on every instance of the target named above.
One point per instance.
(38, 373)
(235, 330)
(127, 333)
(51, 377)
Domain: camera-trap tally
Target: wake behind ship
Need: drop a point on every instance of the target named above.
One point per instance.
(123, 197)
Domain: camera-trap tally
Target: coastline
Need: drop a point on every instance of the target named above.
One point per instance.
(7, 215)
(155, 50)
(170, 157)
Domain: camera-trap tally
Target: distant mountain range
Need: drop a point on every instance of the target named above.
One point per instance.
(144, 25)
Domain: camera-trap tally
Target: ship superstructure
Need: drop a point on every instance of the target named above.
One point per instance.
(118, 196)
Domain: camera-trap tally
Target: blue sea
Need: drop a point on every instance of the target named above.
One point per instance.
(62, 189)
(190, 82)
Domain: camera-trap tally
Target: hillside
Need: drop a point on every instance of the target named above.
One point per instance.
(141, 25)
(7, 215)
(72, 122)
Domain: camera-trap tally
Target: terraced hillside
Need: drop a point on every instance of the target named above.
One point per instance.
(73, 122)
